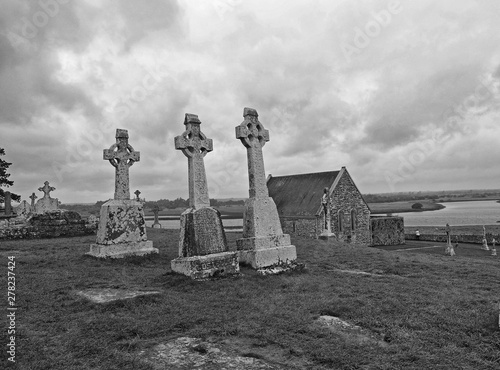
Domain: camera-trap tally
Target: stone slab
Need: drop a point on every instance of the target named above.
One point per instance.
(195, 353)
(260, 258)
(201, 232)
(203, 267)
(326, 235)
(121, 221)
(105, 295)
(122, 250)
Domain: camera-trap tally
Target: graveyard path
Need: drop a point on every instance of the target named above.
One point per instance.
(437, 248)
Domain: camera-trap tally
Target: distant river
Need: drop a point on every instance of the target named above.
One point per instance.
(457, 213)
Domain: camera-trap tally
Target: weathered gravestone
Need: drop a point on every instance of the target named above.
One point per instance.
(203, 250)
(449, 250)
(46, 204)
(137, 193)
(8, 203)
(23, 209)
(263, 243)
(122, 230)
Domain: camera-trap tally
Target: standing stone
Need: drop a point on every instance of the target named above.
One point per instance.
(449, 250)
(493, 247)
(8, 203)
(23, 209)
(46, 204)
(203, 250)
(122, 229)
(156, 223)
(263, 243)
(485, 241)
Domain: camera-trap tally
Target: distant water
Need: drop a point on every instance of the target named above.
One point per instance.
(457, 213)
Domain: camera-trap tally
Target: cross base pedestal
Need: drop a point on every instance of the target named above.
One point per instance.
(260, 258)
(122, 250)
(156, 226)
(121, 231)
(204, 267)
(327, 235)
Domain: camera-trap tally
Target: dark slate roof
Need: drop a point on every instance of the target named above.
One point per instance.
(300, 195)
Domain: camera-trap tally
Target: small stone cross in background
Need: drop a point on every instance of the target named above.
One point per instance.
(46, 188)
(137, 193)
(33, 197)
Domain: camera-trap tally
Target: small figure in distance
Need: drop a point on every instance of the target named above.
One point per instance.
(417, 234)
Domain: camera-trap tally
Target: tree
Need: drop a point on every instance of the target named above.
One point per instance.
(417, 206)
(4, 178)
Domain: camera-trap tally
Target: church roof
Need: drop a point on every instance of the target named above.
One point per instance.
(300, 195)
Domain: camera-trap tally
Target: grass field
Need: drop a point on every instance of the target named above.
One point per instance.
(430, 311)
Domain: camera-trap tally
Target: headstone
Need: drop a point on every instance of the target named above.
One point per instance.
(46, 204)
(23, 209)
(137, 193)
(122, 229)
(156, 223)
(33, 197)
(485, 247)
(8, 203)
(203, 250)
(493, 247)
(326, 205)
(263, 243)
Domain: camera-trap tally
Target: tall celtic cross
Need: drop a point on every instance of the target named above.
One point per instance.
(33, 197)
(137, 193)
(195, 146)
(121, 155)
(46, 188)
(254, 136)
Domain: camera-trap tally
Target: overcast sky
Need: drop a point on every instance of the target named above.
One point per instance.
(404, 94)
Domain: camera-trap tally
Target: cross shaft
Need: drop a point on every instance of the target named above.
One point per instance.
(195, 145)
(254, 136)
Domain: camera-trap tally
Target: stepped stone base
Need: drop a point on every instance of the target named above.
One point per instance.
(203, 267)
(121, 250)
(259, 258)
(327, 235)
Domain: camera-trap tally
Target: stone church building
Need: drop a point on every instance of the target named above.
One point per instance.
(299, 202)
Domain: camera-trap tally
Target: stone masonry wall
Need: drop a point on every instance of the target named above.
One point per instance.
(49, 225)
(306, 227)
(346, 198)
(387, 230)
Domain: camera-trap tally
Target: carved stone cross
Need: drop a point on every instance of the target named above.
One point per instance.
(33, 197)
(254, 136)
(121, 155)
(46, 190)
(137, 193)
(195, 145)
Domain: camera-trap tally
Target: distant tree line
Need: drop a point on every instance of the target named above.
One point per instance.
(182, 203)
(412, 196)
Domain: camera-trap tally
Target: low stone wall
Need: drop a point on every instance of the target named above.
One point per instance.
(465, 238)
(48, 225)
(387, 230)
